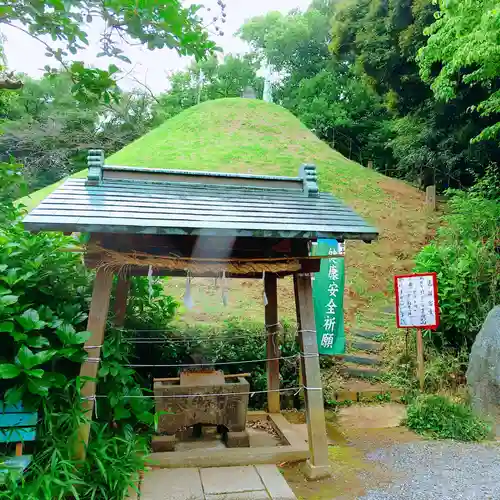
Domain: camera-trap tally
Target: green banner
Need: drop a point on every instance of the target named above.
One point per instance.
(328, 297)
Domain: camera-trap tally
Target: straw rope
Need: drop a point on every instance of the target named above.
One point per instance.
(112, 259)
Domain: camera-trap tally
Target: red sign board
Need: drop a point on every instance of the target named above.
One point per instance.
(416, 300)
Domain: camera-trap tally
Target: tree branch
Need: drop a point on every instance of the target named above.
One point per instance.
(38, 39)
(150, 92)
(8, 84)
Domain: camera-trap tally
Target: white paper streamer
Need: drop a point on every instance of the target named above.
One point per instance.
(264, 285)
(150, 282)
(188, 299)
(224, 289)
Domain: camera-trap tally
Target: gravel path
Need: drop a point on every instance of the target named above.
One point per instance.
(440, 470)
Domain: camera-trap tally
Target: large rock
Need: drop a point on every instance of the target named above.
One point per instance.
(483, 373)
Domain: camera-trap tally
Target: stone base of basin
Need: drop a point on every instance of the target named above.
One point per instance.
(163, 443)
(294, 448)
(237, 439)
(224, 404)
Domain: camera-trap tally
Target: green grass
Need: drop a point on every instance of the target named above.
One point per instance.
(252, 136)
(439, 417)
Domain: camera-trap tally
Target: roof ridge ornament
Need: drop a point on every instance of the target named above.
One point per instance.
(308, 173)
(95, 163)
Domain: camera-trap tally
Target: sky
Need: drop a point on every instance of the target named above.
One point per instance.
(148, 67)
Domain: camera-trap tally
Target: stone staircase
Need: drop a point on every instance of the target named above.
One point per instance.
(363, 355)
(362, 365)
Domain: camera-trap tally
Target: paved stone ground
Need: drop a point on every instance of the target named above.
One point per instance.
(371, 417)
(444, 470)
(253, 482)
(373, 459)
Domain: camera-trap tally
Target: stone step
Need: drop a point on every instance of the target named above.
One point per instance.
(389, 310)
(368, 334)
(365, 389)
(366, 345)
(358, 371)
(360, 359)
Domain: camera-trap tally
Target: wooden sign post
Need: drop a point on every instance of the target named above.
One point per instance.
(417, 307)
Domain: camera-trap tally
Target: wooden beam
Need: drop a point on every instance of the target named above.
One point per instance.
(121, 297)
(226, 375)
(318, 465)
(273, 351)
(98, 314)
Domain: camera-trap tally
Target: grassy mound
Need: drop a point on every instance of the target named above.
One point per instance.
(252, 136)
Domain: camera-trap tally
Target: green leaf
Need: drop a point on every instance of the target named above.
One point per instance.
(82, 337)
(3, 267)
(7, 300)
(18, 337)
(44, 356)
(38, 387)
(66, 333)
(55, 379)
(14, 395)
(29, 360)
(146, 417)
(9, 371)
(11, 277)
(67, 352)
(104, 371)
(6, 326)
(38, 341)
(120, 412)
(30, 320)
(37, 373)
(25, 357)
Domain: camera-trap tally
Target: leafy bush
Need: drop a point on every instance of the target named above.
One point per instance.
(44, 299)
(466, 258)
(445, 369)
(235, 342)
(117, 382)
(438, 417)
(112, 465)
(148, 308)
(44, 295)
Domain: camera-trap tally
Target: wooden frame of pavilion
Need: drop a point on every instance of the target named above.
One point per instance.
(204, 223)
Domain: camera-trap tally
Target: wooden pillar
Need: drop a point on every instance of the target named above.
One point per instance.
(420, 359)
(318, 465)
(273, 367)
(98, 314)
(121, 297)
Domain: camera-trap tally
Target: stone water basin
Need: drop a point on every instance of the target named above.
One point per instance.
(227, 409)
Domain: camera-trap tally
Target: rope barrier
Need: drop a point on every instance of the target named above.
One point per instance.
(222, 363)
(162, 340)
(207, 395)
(163, 330)
(218, 337)
(217, 363)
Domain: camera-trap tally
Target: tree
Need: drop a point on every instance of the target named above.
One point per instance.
(218, 79)
(155, 24)
(428, 141)
(381, 38)
(464, 47)
(49, 131)
(322, 91)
